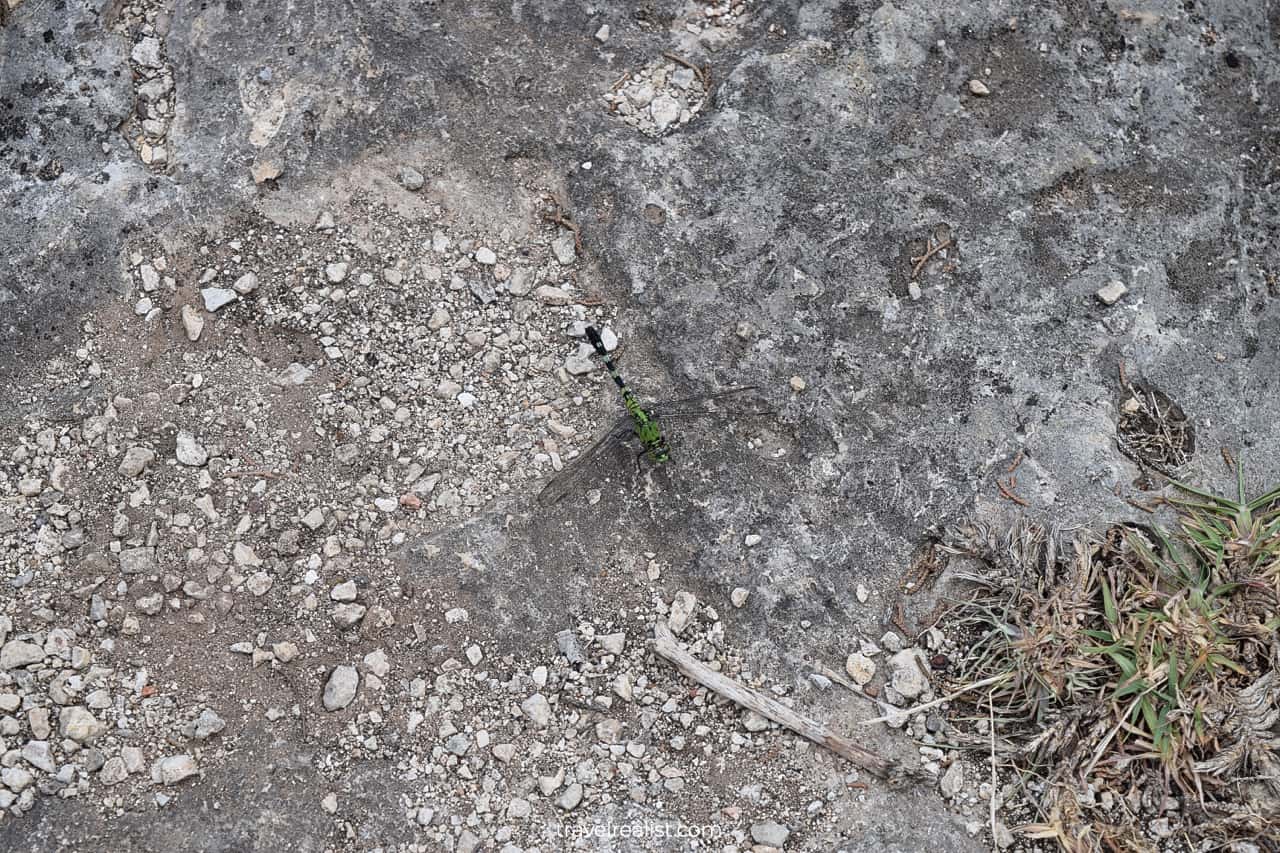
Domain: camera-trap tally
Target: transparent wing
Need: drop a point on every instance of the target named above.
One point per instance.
(696, 399)
(580, 467)
(704, 404)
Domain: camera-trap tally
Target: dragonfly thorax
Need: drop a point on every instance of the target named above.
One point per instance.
(650, 434)
(658, 450)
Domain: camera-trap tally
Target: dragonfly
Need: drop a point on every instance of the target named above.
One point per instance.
(637, 424)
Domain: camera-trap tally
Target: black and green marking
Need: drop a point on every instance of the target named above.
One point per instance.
(639, 423)
(647, 428)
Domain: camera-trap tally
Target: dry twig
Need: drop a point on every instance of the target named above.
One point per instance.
(924, 570)
(928, 253)
(704, 77)
(1144, 507)
(1007, 492)
(666, 646)
(995, 787)
(556, 214)
(911, 712)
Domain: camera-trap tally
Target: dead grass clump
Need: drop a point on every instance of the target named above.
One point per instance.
(1134, 686)
(1153, 430)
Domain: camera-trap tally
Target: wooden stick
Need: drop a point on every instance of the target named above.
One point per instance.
(666, 646)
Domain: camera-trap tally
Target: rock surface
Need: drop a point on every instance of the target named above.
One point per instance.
(235, 315)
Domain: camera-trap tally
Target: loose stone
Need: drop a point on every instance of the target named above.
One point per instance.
(341, 687)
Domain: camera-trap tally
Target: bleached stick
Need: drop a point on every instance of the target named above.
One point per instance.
(666, 646)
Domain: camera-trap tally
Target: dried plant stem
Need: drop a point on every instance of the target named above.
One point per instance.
(968, 688)
(991, 711)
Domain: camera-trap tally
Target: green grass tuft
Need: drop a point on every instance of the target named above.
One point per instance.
(1133, 664)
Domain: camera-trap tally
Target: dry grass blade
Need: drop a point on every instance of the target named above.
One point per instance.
(1146, 661)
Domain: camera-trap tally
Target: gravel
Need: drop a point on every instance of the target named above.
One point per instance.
(952, 781)
(208, 724)
(681, 611)
(216, 298)
(770, 833)
(908, 673)
(340, 689)
(860, 668)
(19, 653)
(174, 769)
(191, 452)
(78, 724)
(135, 461)
(1111, 293)
(537, 710)
(410, 178)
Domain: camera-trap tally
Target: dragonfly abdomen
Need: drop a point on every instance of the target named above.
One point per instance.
(598, 344)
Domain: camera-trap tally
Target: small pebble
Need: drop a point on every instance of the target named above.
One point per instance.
(1111, 293)
(217, 297)
(336, 273)
(770, 834)
(192, 322)
(681, 611)
(341, 687)
(410, 178)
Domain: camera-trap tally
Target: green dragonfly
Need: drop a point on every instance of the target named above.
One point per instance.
(638, 423)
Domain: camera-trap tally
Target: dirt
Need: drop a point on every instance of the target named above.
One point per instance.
(771, 239)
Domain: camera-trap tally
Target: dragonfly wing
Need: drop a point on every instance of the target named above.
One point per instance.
(580, 466)
(685, 402)
(692, 407)
(687, 414)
